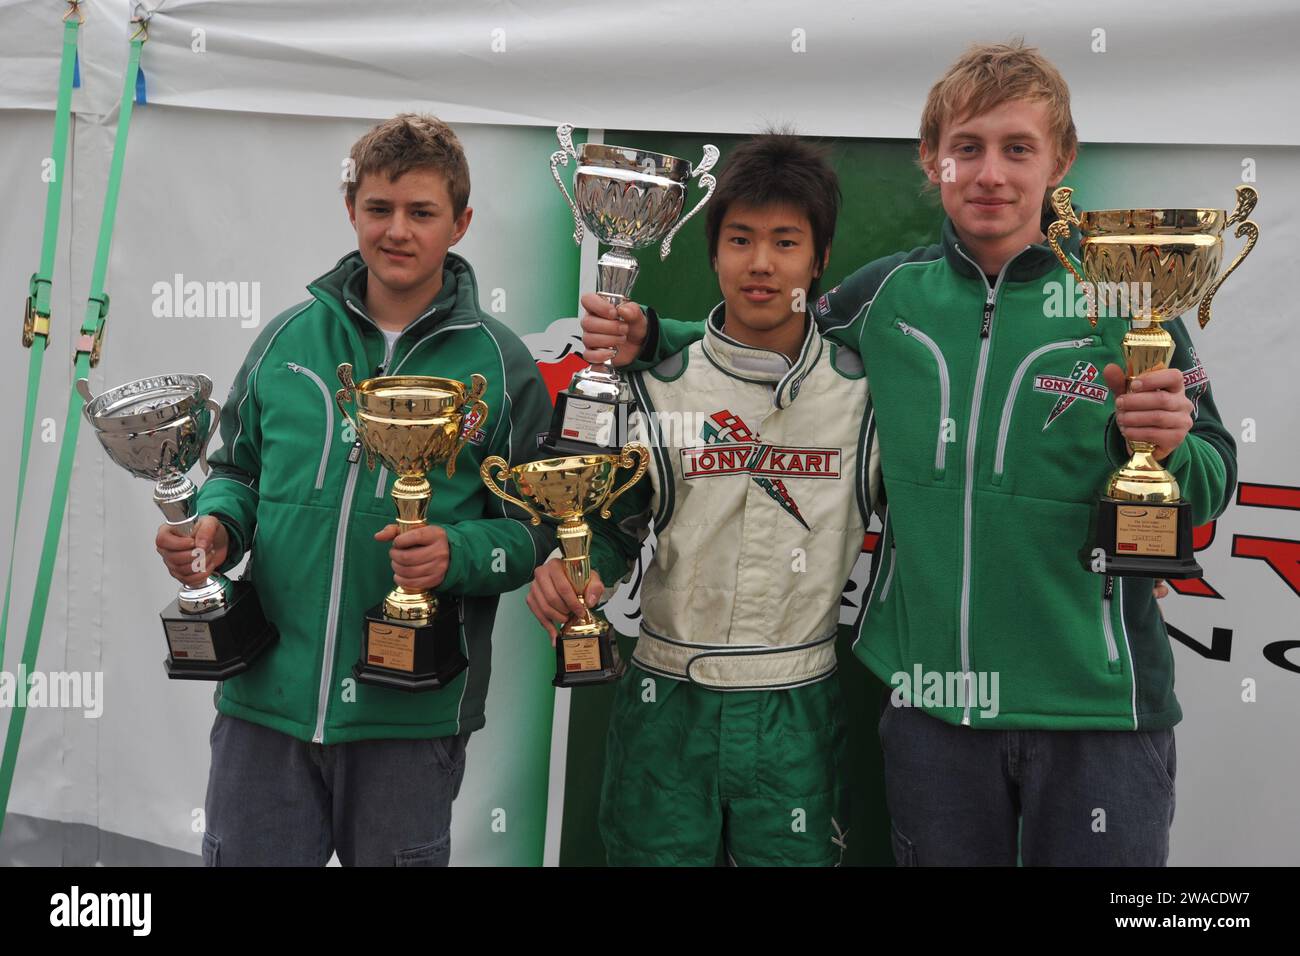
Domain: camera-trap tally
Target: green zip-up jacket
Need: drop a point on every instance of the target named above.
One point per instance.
(997, 435)
(290, 484)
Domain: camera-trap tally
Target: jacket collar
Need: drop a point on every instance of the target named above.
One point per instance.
(759, 365)
(1032, 262)
(342, 289)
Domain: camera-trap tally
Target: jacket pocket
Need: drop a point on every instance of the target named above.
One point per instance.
(1051, 632)
(1109, 594)
(328, 401)
(211, 850)
(1013, 392)
(945, 392)
(437, 853)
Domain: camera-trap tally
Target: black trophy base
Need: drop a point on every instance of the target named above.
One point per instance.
(581, 425)
(401, 655)
(217, 645)
(582, 660)
(1146, 540)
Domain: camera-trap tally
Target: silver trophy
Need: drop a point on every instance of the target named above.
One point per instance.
(629, 199)
(157, 428)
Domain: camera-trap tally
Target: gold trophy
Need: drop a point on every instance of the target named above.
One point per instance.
(411, 423)
(1143, 527)
(565, 489)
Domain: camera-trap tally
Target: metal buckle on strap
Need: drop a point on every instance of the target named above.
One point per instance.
(34, 323)
(93, 343)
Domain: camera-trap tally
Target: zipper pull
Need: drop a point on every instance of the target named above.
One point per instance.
(987, 325)
(1109, 588)
(354, 453)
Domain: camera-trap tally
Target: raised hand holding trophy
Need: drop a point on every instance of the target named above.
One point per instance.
(629, 199)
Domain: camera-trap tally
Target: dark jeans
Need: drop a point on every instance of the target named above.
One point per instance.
(274, 800)
(965, 797)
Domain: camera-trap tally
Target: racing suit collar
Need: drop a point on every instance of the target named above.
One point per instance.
(759, 365)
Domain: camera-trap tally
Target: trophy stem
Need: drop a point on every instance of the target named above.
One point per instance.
(575, 544)
(175, 496)
(1146, 349)
(411, 494)
(1142, 478)
(616, 272)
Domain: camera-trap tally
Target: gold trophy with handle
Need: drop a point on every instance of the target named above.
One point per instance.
(411, 423)
(565, 489)
(1144, 528)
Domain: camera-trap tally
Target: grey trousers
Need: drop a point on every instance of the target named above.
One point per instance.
(959, 796)
(274, 800)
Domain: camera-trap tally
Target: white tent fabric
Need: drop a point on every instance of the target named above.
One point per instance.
(1196, 71)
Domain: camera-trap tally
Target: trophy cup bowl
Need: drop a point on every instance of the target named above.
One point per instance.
(158, 428)
(1168, 259)
(411, 423)
(565, 489)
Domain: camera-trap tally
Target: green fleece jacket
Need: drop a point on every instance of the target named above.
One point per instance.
(290, 484)
(996, 436)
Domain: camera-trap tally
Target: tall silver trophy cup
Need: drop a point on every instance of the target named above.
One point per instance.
(628, 199)
(157, 428)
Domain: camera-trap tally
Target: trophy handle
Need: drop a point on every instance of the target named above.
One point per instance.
(709, 184)
(707, 161)
(1058, 231)
(625, 461)
(477, 413)
(503, 469)
(1247, 196)
(215, 408)
(347, 394)
(564, 133)
(83, 389)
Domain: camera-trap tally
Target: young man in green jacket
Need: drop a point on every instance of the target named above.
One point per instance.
(306, 760)
(1034, 700)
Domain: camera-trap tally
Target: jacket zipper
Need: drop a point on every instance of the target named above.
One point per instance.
(329, 418)
(336, 577)
(1010, 402)
(345, 514)
(1107, 604)
(941, 451)
(336, 592)
(972, 432)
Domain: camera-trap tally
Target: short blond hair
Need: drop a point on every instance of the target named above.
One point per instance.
(988, 75)
(412, 141)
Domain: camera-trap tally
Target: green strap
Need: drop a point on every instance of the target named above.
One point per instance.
(92, 330)
(39, 290)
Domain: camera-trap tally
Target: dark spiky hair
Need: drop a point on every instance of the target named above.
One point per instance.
(778, 167)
